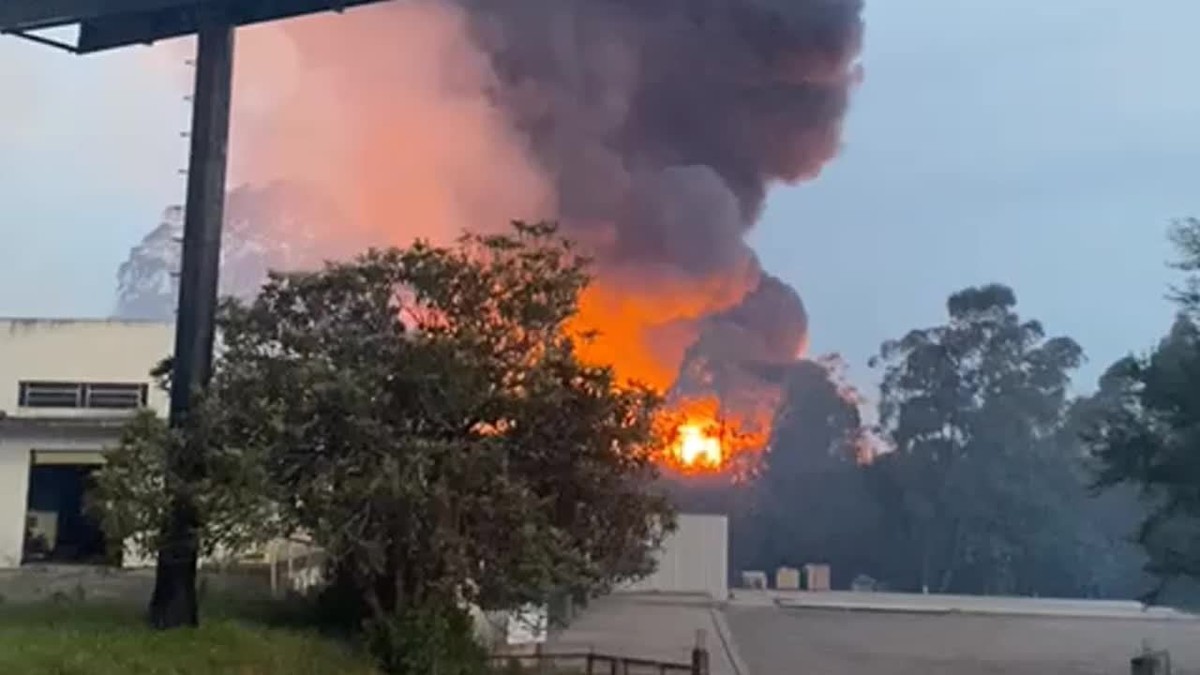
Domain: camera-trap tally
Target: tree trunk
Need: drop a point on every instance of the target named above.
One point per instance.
(926, 553)
(924, 574)
(952, 560)
(174, 602)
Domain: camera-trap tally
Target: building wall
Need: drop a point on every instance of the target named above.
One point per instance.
(15, 454)
(73, 351)
(14, 485)
(79, 351)
(695, 559)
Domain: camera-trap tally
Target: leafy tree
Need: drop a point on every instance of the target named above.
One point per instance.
(972, 409)
(131, 493)
(810, 502)
(1094, 528)
(132, 501)
(1148, 436)
(423, 416)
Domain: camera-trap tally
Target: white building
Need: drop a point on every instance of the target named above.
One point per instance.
(693, 560)
(66, 389)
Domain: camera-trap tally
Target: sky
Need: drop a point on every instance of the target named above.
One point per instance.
(90, 154)
(1042, 145)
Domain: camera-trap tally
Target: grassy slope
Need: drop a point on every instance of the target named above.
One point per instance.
(88, 639)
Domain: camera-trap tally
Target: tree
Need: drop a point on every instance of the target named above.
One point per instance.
(1095, 528)
(423, 416)
(1148, 436)
(810, 501)
(972, 410)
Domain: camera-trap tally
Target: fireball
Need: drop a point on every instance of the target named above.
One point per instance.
(697, 448)
(708, 441)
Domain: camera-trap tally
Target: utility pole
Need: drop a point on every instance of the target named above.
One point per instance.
(174, 601)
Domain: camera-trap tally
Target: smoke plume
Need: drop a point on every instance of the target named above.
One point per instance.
(651, 129)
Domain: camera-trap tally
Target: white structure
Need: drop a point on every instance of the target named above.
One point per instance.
(66, 388)
(695, 559)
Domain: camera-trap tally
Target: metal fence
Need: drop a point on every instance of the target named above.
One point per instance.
(593, 663)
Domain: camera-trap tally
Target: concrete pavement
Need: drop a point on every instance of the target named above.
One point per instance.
(779, 641)
(842, 633)
(653, 626)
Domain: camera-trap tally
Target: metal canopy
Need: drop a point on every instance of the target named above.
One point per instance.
(107, 24)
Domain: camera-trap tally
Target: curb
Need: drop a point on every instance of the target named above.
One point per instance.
(959, 611)
(727, 642)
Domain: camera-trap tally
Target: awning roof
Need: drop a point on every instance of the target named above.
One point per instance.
(63, 424)
(107, 24)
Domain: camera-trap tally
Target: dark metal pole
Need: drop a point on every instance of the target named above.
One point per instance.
(700, 655)
(174, 601)
(1151, 663)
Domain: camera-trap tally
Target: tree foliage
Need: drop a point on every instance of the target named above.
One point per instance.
(1148, 434)
(975, 480)
(810, 502)
(131, 499)
(973, 410)
(423, 416)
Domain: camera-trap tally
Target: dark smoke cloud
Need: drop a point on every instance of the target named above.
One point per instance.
(664, 122)
(668, 119)
(651, 129)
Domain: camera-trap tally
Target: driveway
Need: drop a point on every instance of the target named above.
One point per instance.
(776, 640)
(650, 626)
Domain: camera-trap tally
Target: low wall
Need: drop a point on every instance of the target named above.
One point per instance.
(38, 582)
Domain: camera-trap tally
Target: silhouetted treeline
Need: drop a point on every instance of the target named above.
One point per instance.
(974, 479)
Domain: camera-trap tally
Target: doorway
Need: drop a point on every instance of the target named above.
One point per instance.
(58, 528)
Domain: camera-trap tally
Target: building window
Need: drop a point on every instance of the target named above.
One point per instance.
(51, 395)
(96, 395)
(118, 396)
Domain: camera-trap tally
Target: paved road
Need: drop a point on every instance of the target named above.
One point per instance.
(649, 626)
(784, 641)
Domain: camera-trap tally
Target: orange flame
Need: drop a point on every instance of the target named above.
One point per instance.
(706, 441)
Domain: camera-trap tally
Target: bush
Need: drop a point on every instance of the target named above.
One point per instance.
(428, 640)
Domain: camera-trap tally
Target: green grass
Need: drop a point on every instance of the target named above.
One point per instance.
(70, 638)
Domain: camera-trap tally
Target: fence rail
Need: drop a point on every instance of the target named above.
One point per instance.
(593, 663)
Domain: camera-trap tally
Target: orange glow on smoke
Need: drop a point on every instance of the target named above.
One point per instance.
(388, 109)
(644, 333)
(644, 323)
